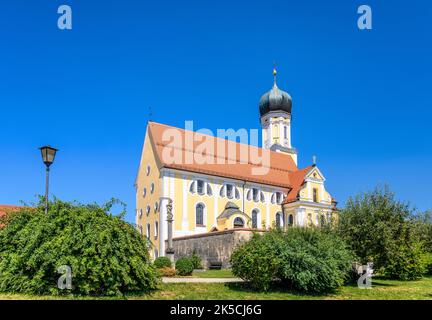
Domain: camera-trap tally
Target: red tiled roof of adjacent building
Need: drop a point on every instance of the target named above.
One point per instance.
(7, 208)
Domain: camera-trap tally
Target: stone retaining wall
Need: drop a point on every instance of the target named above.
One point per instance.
(212, 246)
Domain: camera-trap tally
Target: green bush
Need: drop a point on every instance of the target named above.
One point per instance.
(162, 262)
(106, 254)
(428, 262)
(380, 229)
(196, 260)
(304, 259)
(184, 266)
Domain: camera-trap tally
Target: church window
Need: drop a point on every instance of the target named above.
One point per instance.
(262, 196)
(290, 220)
(148, 209)
(192, 187)
(209, 190)
(237, 193)
(229, 191)
(238, 222)
(315, 195)
(255, 194)
(141, 213)
(200, 187)
(156, 231)
(255, 218)
(322, 220)
(152, 186)
(278, 220)
(199, 215)
(156, 206)
(144, 192)
(222, 191)
(148, 230)
(148, 170)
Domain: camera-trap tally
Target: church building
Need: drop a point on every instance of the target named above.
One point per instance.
(210, 196)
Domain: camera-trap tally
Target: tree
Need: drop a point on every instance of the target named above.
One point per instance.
(107, 256)
(379, 228)
(305, 259)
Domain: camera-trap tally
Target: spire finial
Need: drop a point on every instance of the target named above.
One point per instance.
(274, 72)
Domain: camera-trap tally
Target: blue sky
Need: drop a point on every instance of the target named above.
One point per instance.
(361, 99)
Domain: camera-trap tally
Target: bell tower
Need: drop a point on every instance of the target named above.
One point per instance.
(275, 113)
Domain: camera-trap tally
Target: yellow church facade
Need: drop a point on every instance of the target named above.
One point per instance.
(214, 188)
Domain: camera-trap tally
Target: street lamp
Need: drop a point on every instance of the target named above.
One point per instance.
(48, 155)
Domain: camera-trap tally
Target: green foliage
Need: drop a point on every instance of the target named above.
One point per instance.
(428, 262)
(162, 262)
(305, 259)
(379, 229)
(106, 254)
(184, 266)
(196, 260)
(423, 229)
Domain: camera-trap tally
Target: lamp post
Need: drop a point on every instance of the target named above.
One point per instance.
(48, 155)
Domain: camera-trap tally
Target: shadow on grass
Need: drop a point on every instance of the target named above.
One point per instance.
(276, 287)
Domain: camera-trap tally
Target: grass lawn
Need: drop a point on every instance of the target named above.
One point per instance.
(382, 289)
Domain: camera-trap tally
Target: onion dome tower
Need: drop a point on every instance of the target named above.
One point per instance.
(275, 108)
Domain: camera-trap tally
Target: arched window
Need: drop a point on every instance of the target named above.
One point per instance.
(209, 190)
(322, 220)
(192, 187)
(156, 231)
(278, 220)
(148, 170)
(290, 220)
(148, 230)
(199, 215)
(255, 218)
(200, 187)
(237, 193)
(238, 222)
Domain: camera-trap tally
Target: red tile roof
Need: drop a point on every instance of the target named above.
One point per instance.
(297, 180)
(282, 170)
(7, 208)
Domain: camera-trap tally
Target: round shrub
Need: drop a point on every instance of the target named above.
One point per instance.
(304, 259)
(162, 262)
(184, 266)
(107, 255)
